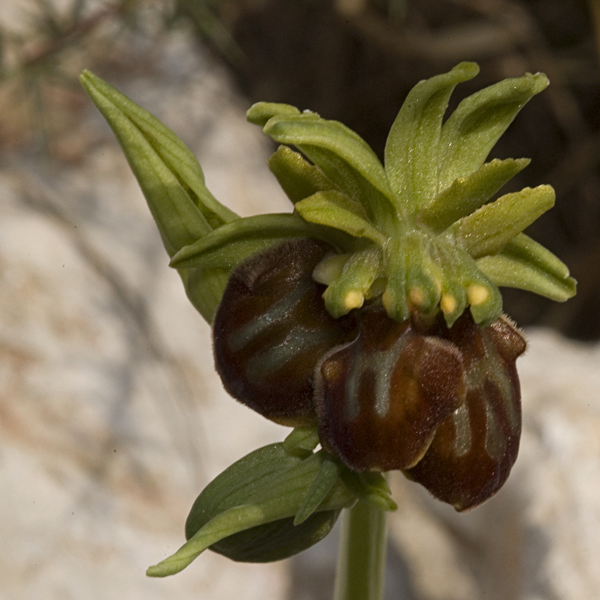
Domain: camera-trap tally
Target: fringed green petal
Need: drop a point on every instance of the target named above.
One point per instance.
(233, 243)
(297, 177)
(467, 194)
(412, 151)
(491, 227)
(334, 209)
(475, 126)
(527, 265)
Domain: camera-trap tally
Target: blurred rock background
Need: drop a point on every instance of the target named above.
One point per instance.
(111, 417)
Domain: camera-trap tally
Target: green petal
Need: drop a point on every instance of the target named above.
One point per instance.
(527, 265)
(491, 227)
(298, 178)
(479, 120)
(412, 151)
(233, 243)
(467, 194)
(334, 209)
(344, 157)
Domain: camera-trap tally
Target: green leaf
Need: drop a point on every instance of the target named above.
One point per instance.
(172, 182)
(179, 220)
(467, 194)
(328, 475)
(345, 158)
(172, 153)
(272, 500)
(298, 178)
(234, 242)
(527, 265)
(479, 120)
(491, 227)
(334, 209)
(412, 151)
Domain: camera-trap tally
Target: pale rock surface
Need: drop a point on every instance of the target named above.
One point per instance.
(112, 418)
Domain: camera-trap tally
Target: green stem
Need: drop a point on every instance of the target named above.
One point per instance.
(361, 561)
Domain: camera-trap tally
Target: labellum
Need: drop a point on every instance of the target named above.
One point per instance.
(441, 404)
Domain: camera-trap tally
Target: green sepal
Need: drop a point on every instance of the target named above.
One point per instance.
(370, 487)
(297, 177)
(349, 289)
(334, 209)
(345, 158)
(412, 151)
(478, 122)
(491, 227)
(266, 486)
(233, 243)
(467, 194)
(527, 265)
(153, 150)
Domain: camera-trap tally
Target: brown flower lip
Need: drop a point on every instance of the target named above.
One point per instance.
(441, 404)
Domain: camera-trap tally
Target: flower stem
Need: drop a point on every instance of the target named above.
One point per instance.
(361, 562)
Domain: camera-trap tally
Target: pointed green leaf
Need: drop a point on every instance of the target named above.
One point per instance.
(479, 120)
(336, 210)
(412, 151)
(179, 220)
(467, 194)
(326, 478)
(276, 500)
(171, 151)
(527, 265)
(298, 178)
(234, 242)
(344, 157)
(491, 227)
(261, 112)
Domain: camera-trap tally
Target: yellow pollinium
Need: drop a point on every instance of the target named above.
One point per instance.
(477, 294)
(448, 304)
(353, 299)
